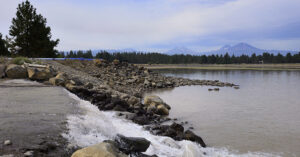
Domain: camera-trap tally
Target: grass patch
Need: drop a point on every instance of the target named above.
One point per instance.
(20, 60)
(3, 60)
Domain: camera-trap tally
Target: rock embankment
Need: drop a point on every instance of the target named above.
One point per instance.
(115, 86)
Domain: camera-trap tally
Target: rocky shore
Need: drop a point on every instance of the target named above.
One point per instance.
(116, 86)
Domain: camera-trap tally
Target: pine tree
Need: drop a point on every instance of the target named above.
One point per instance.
(3, 49)
(30, 35)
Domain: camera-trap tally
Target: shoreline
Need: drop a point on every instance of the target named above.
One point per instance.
(117, 86)
(289, 67)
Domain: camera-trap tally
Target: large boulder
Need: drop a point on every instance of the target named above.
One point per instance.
(132, 144)
(39, 73)
(16, 71)
(103, 149)
(157, 105)
(2, 70)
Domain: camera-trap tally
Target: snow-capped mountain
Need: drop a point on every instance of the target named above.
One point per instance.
(244, 48)
(237, 50)
(181, 50)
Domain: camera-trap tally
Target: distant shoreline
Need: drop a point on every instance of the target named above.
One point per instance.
(285, 66)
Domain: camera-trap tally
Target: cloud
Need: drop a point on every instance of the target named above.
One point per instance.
(162, 24)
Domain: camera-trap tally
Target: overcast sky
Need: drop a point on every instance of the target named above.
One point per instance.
(158, 25)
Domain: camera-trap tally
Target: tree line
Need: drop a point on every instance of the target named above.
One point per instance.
(159, 58)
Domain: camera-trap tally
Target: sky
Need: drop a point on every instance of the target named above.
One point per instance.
(160, 25)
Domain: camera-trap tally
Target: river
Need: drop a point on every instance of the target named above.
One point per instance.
(261, 116)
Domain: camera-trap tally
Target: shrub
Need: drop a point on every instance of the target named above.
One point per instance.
(20, 60)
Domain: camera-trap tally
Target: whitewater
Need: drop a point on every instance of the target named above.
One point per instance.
(91, 126)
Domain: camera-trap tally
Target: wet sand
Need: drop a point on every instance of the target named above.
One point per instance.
(33, 116)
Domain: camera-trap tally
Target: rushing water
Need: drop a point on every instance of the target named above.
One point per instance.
(262, 116)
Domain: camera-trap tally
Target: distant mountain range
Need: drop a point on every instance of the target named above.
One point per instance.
(237, 50)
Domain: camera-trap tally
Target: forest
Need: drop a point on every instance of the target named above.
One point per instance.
(159, 58)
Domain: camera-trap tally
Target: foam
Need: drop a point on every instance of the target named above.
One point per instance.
(92, 126)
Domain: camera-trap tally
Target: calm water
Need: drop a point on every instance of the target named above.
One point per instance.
(262, 116)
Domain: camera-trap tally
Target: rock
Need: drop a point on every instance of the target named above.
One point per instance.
(16, 71)
(116, 62)
(236, 87)
(146, 82)
(142, 120)
(153, 99)
(89, 85)
(62, 75)
(216, 89)
(71, 87)
(132, 144)
(2, 70)
(159, 85)
(57, 81)
(209, 89)
(39, 73)
(133, 100)
(162, 110)
(28, 153)
(177, 127)
(189, 135)
(7, 142)
(103, 149)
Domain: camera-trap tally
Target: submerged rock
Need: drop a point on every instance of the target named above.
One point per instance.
(103, 149)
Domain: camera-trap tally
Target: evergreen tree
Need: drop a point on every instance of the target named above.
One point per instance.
(30, 35)
(3, 49)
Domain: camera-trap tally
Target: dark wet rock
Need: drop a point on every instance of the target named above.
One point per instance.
(16, 71)
(177, 127)
(142, 120)
(189, 135)
(132, 144)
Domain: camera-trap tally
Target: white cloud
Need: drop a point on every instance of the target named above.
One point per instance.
(136, 24)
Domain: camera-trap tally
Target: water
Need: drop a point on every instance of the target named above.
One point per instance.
(261, 116)
(31, 114)
(92, 126)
